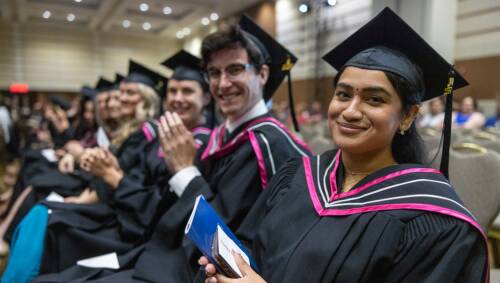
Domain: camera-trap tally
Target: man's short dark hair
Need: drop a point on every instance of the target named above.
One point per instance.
(232, 37)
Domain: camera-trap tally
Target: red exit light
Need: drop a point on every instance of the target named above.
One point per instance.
(19, 88)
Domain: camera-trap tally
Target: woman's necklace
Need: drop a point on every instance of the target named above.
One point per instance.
(352, 178)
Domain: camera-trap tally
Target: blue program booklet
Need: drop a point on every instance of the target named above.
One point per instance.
(215, 240)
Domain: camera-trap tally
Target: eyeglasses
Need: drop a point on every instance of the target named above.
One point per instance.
(233, 72)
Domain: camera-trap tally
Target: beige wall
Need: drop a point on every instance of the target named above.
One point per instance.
(62, 59)
(478, 29)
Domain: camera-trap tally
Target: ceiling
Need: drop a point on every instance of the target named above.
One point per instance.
(167, 18)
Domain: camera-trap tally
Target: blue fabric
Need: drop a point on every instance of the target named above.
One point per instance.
(462, 118)
(492, 121)
(27, 247)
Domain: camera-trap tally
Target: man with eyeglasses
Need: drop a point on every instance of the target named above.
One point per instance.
(243, 68)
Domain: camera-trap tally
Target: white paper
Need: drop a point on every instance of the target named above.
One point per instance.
(55, 197)
(50, 154)
(191, 217)
(226, 245)
(103, 261)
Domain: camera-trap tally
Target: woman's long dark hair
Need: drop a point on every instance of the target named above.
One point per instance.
(407, 148)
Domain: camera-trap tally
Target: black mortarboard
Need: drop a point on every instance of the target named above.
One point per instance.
(186, 67)
(59, 101)
(88, 92)
(387, 43)
(103, 85)
(138, 73)
(277, 55)
(279, 59)
(118, 78)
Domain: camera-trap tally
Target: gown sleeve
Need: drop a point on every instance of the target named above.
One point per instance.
(277, 187)
(439, 248)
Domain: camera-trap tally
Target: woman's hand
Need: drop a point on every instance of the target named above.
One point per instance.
(86, 197)
(177, 142)
(249, 275)
(102, 163)
(67, 163)
(57, 116)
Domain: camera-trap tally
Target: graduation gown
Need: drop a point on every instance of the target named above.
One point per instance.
(121, 225)
(235, 172)
(403, 223)
(77, 231)
(45, 177)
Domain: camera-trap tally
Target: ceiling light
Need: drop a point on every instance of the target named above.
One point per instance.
(186, 31)
(167, 10)
(78, 1)
(205, 21)
(46, 14)
(303, 8)
(146, 26)
(331, 2)
(70, 17)
(126, 23)
(144, 7)
(214, 16)
(179, 34)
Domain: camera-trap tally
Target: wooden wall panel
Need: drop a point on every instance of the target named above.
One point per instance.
(483, 74)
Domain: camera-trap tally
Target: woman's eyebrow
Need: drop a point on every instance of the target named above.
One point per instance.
(376, 89)
(345, 86)
(366, 89)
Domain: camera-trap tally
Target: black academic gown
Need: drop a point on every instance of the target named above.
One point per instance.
(78, 231)
(403, 223)
(236, 168)
(44, 177)
(122, 225)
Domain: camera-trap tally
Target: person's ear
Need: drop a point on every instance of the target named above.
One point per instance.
(408, 119)
(264, 74)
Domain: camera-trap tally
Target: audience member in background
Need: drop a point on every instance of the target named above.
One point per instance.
(302, 113)
(468, 116)
(494, 121)
(55, 112)
(315, 113)
(5, 122)
(85, 130)
(435, 116)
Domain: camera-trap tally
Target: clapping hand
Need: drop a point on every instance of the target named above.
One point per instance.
(177, 142)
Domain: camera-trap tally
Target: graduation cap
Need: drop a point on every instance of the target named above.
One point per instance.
(103, 85)
(59, 101)
(138, 73)
(279, 59)
(88, 92)
(186, 67)
(387, 43)
(119, 78)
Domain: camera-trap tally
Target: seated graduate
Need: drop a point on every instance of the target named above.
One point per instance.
(187, 95)
(106, 123)
(41, 174)
(76, 231)
(369, 211)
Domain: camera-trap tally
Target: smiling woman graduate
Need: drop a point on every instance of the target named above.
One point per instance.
(369, 211)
